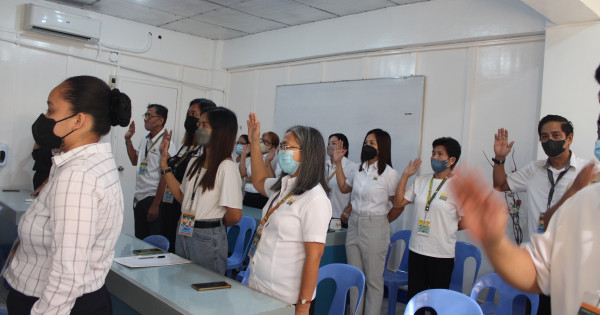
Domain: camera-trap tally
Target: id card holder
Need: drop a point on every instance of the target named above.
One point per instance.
(590, 304)
(143, 167)
(257, 236)
(168, 196)
(186, 224)
(424, 227)
(540, 228)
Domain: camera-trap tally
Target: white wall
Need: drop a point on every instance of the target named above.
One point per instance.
(572, 54)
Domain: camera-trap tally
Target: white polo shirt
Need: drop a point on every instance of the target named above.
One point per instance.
(567, 255)
(146, 184)
(339, 201)
(370, 191)
(443, 213)
(533, 179)
(250, 188)
(276, 267)
(211, 204)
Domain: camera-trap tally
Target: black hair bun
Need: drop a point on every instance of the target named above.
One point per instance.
(120, 108)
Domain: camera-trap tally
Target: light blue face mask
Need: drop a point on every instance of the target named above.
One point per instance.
(597, 150)
(286, 161)
(238, 149)
(439, 166)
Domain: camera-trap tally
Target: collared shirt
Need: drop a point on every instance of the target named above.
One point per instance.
(69, 232)
(147, 183)
(443, 213)
(533, 179)
(371, 191)
(339, 201)
(567, 255)
(276, 267)
(211, 204)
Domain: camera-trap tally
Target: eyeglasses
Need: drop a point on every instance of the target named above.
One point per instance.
(266, 142)
(147, 116)
(284, 146)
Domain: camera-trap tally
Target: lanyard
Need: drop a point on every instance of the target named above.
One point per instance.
(188, 151)
(331, 176)
(429, 196)
(553, 184)
(257, 236)
(196, 186)
(152, 146)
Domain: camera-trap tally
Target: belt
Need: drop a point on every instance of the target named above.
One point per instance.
(207, 224)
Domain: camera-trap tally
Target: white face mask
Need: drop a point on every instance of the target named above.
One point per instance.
(263, 148)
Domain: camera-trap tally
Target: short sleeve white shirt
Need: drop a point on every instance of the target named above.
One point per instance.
(147, 183)
(339, 200)
(276, 267)
(567, 255)
(211, 204)
(443, 213)
(533, 179)
(250, 188)
(371, 191)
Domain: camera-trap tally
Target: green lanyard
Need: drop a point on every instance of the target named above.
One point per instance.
(429, 196)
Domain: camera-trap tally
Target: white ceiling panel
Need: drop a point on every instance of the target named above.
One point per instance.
(185, 8)
(132, 12)
(346, 7)
(283, 11)
(202, 29)
(236, 20)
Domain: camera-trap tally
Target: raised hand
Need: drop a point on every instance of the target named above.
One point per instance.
(501, 145)
(131, 131)
(253, 128)
(270, 155)
(245, 149)
(484, 211)
(412, 167)
(339, 152)
(164, 145)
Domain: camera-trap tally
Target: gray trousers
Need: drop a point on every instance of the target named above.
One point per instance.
(367, 244)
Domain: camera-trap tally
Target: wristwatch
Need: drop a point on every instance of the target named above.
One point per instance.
(303, 301)
(498, 162)
(168, 170)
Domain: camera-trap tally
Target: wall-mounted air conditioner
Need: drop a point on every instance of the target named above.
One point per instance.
(58, 23)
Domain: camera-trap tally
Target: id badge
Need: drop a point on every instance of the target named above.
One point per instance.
(540, 228)
(186, 224)
(143, 167)
(590, 304)
(168, 196)
(424, 227)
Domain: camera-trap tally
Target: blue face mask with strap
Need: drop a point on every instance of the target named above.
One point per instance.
(285, 158)
(238, 149)
(439, 166)
(597, 150)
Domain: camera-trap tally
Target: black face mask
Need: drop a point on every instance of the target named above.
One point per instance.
(191, 124)
(43, 132)
(553, 148)
(368, 152)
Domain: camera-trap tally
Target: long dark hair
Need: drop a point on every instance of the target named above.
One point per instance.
(224, 130)
(92, 96)
(384, 150)
(204, 105)
(311, 171)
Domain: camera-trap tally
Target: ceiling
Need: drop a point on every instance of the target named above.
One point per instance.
(226, 19)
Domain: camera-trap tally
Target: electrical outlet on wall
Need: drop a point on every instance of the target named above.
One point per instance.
(112, 81)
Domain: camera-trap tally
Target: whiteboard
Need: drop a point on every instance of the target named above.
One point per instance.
(355, 107)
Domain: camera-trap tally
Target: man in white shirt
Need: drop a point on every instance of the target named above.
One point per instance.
(562, 262)
(149, 187)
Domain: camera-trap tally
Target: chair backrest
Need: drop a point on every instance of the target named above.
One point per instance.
(506, 293)
(463, 251)
(3, 311)
(345, 277)
(246, 274)
(247, 226)
(400, 235)
(444, 302)
(158, 241)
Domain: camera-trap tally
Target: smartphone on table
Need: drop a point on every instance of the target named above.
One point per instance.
(211, 285)
(148, 251)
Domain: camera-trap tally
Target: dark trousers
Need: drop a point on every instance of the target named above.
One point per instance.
(169, 215)
(545, 307)
(143, 228)
(255, 200)
(426, 272)
(93, 303)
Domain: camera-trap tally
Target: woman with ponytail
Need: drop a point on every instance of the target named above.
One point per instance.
(68, 234)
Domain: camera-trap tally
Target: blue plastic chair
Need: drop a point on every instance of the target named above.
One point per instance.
(3, 311)
(506, 293)
(463, 251)
(245, 276)
(444, 302)
(247, 225)
(158, 241)
(345, 277)
(393, 280)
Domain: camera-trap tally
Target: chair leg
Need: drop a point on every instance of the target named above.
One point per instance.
(228, 274)
(392, 296)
